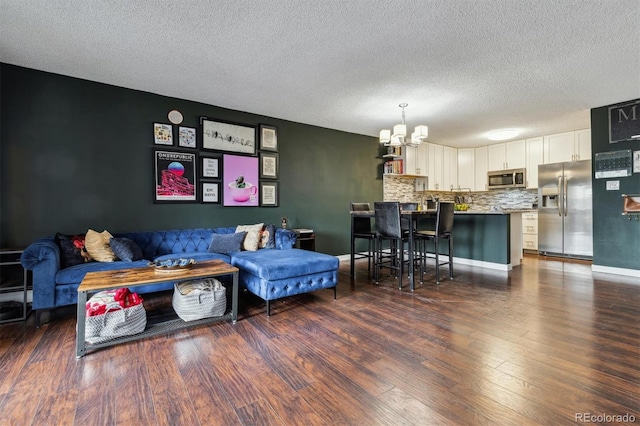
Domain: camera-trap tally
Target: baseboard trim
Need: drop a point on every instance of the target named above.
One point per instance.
(459, 260)
(616, 271)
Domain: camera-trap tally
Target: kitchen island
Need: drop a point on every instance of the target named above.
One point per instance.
(488, 239)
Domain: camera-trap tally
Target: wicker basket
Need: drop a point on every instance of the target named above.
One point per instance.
(197, 299)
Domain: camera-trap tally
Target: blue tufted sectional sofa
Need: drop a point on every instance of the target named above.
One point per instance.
(268, 273)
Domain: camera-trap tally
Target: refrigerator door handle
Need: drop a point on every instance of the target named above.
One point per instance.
(565, 184)
(559, 192)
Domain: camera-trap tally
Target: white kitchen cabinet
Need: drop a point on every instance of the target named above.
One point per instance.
(508, 155)
(535, 157)
(434, 167)
(582, 145)
(567, 146)
(466, 168)
(530, 230)
(481, 169)
(415, 162)
(449, 168)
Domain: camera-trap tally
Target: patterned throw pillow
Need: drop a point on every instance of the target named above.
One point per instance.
(227, 243)
(98, 246)
(72, 250)
(268, 237)
(253, 235)
(126, 249)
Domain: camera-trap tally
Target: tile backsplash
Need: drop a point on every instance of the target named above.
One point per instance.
(402, 189)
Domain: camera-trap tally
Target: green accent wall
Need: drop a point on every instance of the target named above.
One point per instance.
(76, 154)
(616, 240)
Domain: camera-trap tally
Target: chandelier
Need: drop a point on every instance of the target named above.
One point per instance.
(399, 136)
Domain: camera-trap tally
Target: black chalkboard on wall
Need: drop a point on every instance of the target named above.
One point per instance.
(624, 122)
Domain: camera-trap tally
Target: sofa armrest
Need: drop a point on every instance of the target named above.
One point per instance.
(42, 258)
(285, 239)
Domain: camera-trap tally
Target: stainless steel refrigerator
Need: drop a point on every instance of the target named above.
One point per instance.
(565, 223)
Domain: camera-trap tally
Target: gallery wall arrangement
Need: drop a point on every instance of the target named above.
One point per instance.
(77, 154)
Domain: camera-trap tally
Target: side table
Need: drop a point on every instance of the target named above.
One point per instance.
(13, 286)
(305, 239)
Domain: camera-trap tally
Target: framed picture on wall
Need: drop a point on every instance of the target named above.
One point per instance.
(187, 137)
(225, 136)
(174, 176)
(268, 166)
(268, 194)
(211, 167)
(240, 181)
(268, 138)
(210, 192)
(162, 134)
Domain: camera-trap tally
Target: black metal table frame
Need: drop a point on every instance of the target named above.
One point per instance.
(152, 329)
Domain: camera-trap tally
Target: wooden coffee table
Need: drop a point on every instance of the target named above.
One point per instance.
(133, 277)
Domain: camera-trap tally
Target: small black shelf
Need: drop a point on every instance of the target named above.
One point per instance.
(13, 286)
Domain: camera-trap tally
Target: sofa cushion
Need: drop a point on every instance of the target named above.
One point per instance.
(126, 249)
(72, 250)
(278, 264)
(252, 238)
(227, 243)
(98, 246)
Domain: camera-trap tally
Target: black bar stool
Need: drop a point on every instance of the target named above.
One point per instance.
(362, 230)
(387, 215)
(443, 229)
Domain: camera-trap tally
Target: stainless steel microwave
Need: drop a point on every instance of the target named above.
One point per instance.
(515, 178)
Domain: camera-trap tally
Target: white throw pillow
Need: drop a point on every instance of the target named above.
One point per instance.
(252, 238)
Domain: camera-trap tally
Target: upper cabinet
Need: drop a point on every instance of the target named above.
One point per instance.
(449, 168)
(481, 168)
(466, 168)
(415, 160)
(582, 145)
(535, 157)
(568, 146)
(508, 155)
(435, 166)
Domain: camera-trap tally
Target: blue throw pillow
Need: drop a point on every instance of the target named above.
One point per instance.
(126, 249)
(227, 243)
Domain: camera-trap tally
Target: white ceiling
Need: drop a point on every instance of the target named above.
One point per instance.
(464, 67)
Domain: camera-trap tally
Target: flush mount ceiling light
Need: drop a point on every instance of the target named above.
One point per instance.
(399, 135)
(502, 134)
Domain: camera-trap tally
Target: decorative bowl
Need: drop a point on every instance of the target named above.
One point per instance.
(171, 265)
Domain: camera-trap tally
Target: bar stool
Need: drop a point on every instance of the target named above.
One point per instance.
(387, 215)
(443, 229)
(362, 230)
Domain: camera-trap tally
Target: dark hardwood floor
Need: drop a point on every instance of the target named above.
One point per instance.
(549, 343)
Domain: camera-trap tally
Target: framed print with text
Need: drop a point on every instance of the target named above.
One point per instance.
(268, 138)
(210, 192)
(224, 136)
(268, 166)
(174, 176)
(210, 167)
(269, 194)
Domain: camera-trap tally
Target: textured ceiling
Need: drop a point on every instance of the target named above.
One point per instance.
(464, 67)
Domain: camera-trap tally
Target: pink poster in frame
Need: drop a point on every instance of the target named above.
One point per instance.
(240, 181)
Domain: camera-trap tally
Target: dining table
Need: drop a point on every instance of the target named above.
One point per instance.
(414, 217)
